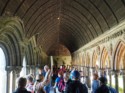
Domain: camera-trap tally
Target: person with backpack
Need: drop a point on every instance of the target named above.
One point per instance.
(59, 83)
(103, 88)
(76, 86)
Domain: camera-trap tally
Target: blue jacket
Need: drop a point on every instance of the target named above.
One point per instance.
(95, 85)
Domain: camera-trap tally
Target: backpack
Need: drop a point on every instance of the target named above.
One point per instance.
(77, 87)
(61, 85)
(81, 87)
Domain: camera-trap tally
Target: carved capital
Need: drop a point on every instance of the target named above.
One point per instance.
(122, 72)
(101, 70)
(116, 72)
(10, 68)
(18, 69)
(98, 50)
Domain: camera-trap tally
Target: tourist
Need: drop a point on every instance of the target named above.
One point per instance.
(103, 87)
(58, 79)
(95, 83)
(76, 86)
(21, 86)
(29, 85)
(41, 82)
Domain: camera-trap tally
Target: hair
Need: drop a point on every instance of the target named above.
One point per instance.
(95, 76)
(46, 67)
(60, 73)
(40, 67)
(66, 75)
(39, 77)
(30, 78)
(22, 82)
(103, 80)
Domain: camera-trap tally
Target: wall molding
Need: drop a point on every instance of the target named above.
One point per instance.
(109, 35)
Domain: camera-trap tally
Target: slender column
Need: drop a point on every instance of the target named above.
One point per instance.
(88, 77)
(110, 76)
(27, 69)
(14, 81)
(124, 83)
(101, 72)
(16, 75)
(9, 69)
(116, 80)
(123, 75)
(31, 70)
(8, 81)
(93, 70)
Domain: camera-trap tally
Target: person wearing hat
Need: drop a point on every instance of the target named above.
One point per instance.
(76, 86)
(103, 86)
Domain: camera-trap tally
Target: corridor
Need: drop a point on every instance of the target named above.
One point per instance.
(85, 35)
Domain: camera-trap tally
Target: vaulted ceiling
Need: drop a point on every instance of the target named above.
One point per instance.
(72, 23)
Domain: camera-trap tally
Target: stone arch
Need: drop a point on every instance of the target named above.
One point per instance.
(29, 54)
(11, 34)
(119, 56)
(105, 59)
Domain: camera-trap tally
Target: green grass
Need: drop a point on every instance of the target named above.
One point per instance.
(120, 89)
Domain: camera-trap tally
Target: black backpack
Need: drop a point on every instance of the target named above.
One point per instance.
(77, 87)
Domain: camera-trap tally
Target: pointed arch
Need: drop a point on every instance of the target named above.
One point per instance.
(119, 56)
(105, 59)
(94, 59)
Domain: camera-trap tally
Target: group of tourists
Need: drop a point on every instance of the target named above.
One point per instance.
(61, 80)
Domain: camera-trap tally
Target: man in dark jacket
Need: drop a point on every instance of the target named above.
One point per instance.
(103, 87)
(21, 86)
(76, 86)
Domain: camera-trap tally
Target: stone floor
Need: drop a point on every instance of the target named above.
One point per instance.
(53, 91)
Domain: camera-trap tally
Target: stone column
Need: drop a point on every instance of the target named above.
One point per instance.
(101, 72)
(27, 69)
(33, 70)
(9, 69)
(123, 75)
(116, 73)
(93, 70)
(88, 81)
(110, 76)
(14, 81)
(8, 81)
(16, 75)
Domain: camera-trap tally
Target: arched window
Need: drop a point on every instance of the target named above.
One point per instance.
(23, 71)
(2, 72)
